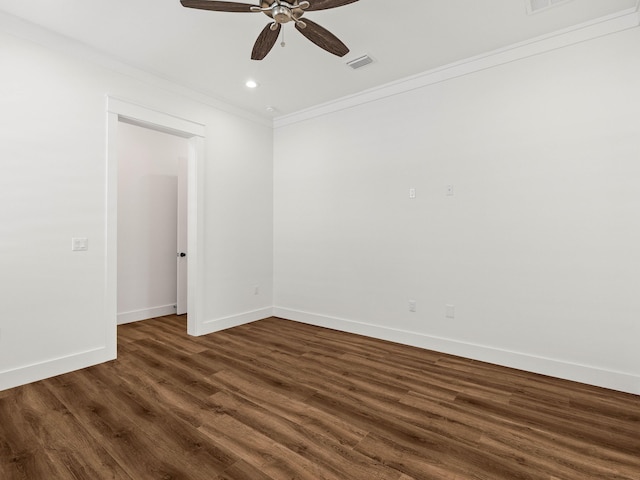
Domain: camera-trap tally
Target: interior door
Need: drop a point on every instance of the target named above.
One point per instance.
(181, 303)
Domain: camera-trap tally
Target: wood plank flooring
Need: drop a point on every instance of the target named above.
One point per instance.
(276, 400)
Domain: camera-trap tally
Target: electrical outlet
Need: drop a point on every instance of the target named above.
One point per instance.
(412, 305)
(412, 193)
(79, 244)
(256, 290)
(449, 190)
(450, 311)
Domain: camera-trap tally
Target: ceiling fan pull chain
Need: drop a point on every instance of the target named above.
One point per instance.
(282, 44)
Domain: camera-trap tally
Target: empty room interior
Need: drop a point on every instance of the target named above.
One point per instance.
(323, 239)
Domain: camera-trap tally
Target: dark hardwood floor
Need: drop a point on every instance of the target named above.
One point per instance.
(277, 400)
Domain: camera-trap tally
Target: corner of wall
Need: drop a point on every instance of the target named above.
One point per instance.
(223, 323)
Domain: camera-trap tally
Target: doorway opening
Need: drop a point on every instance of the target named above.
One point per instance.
(121, 112)
(152, 223)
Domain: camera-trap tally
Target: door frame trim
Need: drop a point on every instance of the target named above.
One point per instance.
(119, 110)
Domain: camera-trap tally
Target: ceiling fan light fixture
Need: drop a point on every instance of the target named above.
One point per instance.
(251, 84)
(281, 14)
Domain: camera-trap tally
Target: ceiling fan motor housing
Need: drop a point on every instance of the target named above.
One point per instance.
(282, 11)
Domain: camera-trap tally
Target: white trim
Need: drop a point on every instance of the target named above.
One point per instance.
(118, 109)
(111, 237)
(617, 22)
(195, 236)
(591, 375)
(54, 41)
(145, 314)
(231, 321)
(134, 113)
(51, 368)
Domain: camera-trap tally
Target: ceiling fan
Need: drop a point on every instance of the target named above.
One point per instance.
(282, 11)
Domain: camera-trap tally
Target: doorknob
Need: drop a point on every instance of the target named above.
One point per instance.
(182, 254)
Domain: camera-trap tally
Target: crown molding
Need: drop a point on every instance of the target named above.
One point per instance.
(609, 24)
(31, 32)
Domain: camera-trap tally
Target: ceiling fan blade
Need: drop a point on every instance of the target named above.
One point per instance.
(323, 38)
(217, 6)
(265, 42)
(326, 4)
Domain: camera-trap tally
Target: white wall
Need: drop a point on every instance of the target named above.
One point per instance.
(538, 248)
(53, 142)
(147, 221)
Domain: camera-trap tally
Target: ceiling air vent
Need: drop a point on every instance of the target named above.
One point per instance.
(535, 6)
(360, 62)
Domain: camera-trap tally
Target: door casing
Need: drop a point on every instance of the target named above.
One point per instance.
(118, 109)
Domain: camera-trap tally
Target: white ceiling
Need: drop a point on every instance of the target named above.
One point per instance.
(209, 51)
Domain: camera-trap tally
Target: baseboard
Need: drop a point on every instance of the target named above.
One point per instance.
(590, 375)
(51, 368)
(215, 325)
(579, 373)
(146, 313)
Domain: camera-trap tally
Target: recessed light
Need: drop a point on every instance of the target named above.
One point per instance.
(251, 84)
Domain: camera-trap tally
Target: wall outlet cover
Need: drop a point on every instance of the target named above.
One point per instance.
(450, 311)
(79, 244)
